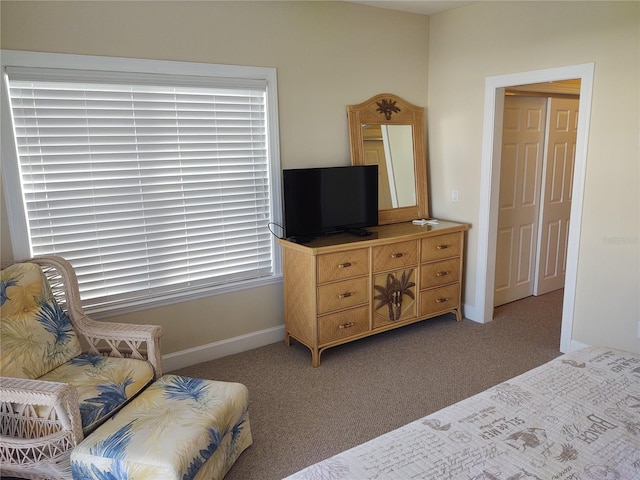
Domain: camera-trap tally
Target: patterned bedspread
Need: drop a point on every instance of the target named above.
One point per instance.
(574, 418)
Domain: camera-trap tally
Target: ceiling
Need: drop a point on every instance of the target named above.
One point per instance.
(423, 7)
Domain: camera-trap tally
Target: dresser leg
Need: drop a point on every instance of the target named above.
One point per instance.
(287, 339)
(315, 357)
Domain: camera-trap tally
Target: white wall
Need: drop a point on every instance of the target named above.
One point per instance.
(487, 39)
(328, 55)
(331, 54)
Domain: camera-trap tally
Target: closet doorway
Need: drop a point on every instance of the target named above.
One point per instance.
(536, 180)
(482, 310)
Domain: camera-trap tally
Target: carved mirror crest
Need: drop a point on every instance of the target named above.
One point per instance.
(389, 132)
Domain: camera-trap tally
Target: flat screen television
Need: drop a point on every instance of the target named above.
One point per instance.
(322, 201)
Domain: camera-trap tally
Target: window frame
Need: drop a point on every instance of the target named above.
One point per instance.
(10, 172)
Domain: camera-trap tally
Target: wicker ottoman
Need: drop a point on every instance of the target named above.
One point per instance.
(179, 428)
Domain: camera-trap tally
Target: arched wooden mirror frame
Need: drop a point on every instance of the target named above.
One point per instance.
(389, 109)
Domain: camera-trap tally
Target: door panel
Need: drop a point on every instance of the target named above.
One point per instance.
(556, 194)
(520, 179)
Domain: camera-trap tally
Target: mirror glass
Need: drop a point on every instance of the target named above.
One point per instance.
(389, 132)
(391, 148)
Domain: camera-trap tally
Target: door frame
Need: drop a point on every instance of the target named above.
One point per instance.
(490, 188)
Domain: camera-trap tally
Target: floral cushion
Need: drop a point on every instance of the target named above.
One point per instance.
(104, 384)
(179, 428)
(36, 335)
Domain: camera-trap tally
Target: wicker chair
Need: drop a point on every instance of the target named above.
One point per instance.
(41, 420)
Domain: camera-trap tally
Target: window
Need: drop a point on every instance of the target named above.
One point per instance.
(156, 180)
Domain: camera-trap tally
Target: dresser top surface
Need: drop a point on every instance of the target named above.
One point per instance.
(380, 234)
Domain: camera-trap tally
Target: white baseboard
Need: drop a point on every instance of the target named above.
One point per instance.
(211, 351)
(574, 345)
(470, 313)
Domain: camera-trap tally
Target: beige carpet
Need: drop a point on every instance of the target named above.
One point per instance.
(301, 415)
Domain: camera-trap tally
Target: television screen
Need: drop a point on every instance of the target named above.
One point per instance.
(320, 201)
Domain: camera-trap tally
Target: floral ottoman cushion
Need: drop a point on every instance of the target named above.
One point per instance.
(104, 384)
(179, 428)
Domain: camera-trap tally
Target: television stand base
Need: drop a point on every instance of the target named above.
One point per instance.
(360, 232)
(301, 238)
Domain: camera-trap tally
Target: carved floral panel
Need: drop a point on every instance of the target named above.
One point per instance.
(394, 296)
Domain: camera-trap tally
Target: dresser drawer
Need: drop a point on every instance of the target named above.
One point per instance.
(342, 265)
(345, 294)
(439, 273)
(442, 246)
(343, 324)
(439, 299)
(395, 255)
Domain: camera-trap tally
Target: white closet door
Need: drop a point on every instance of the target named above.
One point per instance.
(556, 194)
(519, 204)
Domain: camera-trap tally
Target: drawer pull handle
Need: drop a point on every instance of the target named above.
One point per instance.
(345, 294)
(344, 265)
(346, 325)
(441, 300)
(397, 255)
(442, 247)
(441, 274)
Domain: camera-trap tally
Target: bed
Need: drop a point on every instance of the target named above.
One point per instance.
(576, 417)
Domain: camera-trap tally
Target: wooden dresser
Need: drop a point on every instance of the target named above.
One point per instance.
(342, 287)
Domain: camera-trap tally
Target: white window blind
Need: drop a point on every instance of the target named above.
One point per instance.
(151, 187)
